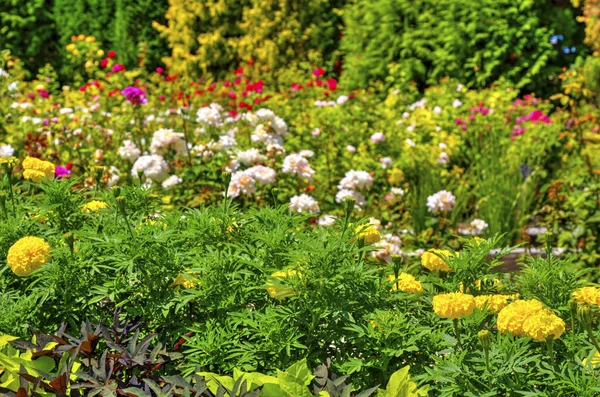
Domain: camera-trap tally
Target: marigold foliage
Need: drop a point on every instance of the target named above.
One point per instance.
(28, 255)
(37, 170)
(431, 261)
(513, 316)
(542, 325)
(453, 305)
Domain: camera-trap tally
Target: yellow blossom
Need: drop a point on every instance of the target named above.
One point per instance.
(90, 39)
(406, 282)
(185, 281)
(276, 287)
(94, 206)
(71, 47)
(431, 261)
(81, 37)
(594, 361)
(512, 317)
(493, 303)
(27, 255)
(453, 305)
(543, 325)
(100, 53)
(36, 170)
(368, 233)
(587, 295)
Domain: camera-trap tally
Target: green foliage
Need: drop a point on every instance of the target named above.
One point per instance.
(477, 43)
(27, 29)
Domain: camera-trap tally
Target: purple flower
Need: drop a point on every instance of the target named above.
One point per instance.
(61, 172)
(135, 95)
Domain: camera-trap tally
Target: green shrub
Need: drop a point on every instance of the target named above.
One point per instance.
(475, 42)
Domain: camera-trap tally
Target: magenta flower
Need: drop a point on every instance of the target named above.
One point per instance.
(61, 172)
(118, 67)
(135, 95)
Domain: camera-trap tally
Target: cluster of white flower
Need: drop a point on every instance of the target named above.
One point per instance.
(270, 133)
(129, 151)
(6, 150)
(171, 181)
(210, 115)
(154, 167)
(250, 157)
(441, 202)
(385, 162)
(244, 182)
(389, 245)
(114, 174)
(419, 104)
(342, 194)
(443, 159)
(165, 139)
(304, 204)
(297, 164)
(476, 227)
(322, 104)
(356, 180)
(327, 220)
(262, 174)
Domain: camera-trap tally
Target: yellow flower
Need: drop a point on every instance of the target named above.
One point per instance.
(71, 47)
(493, 303)
(431, 261)
(512, 317)
(406, 283)
(10, 161)
(36, 169)
(27, 255)
(542, 325)
(276, 287)
(90, 39)
(368, 233)
(81, 37)
(100, 53)
(453, 305)
(594, 361)
(94, 206)
(587, 295)
(185, 281)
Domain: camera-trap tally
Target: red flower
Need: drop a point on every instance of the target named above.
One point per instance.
(118, 67)
(82, 88)
(331, 84)
(239, 71)
(233, 113)
(104, 63)
(159, 70)
(111, 54)
(161, 98)
(318, 72)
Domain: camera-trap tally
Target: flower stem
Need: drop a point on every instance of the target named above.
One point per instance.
(457, 332)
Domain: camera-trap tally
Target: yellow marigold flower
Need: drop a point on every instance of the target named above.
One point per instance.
(587, 295)
(94, 206)
(406, 282)
(453, 305)
(100, 53)
(368, 233)
(90, 39)
(185, 281)
(544, 324)
(493, 303)
(512, 317)
(10, 161)
(431, 261)
(71, 47)
(75, 52)
(277, 289)
(594, 361)
(81, 37)
(27, 255)
(37, 170)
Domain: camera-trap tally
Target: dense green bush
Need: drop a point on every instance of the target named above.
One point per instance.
(476, 42)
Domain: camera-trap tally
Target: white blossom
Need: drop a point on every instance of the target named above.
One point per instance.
(441, 202)
(304, 204)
